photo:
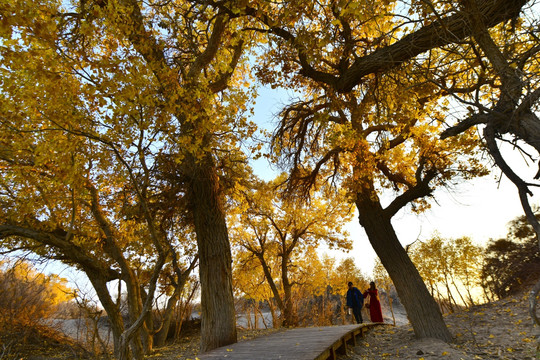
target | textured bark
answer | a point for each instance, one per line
(218, 327)
(218, 321)
(446, 31)
(513, 114)
(422, 310)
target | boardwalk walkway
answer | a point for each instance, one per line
(313, 343)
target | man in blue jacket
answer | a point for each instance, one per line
(355, 301)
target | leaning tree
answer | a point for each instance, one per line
(375, 108)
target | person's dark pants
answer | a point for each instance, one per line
(357, 311)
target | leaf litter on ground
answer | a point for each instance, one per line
(497, 330)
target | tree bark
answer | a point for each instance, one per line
(218, 321)
(288, 312)
(182, 278)
(422, 310)
(271, 282)
(113, 311)
(446, 30)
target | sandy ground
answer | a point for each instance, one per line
(77, 329)
(501, 330)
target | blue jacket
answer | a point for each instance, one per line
(354, 298)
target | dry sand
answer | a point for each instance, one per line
(500, 330)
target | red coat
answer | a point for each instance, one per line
(375, 312)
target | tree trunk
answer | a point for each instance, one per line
(113, 312)
(469, 295)
(218, 322)
(147, 333)
(161, 336)
(422, 310)
(288, 312)
(459, 292)
(451, 300)
(134, 302)
(275, 317)
(391, 308)
(271, 282)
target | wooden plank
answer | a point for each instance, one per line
(313, 343)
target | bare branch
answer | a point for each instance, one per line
(464, 125)
(419, 190)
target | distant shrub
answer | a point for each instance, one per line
(512, 262)
(28, 296)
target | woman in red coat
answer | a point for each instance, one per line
(375, 312)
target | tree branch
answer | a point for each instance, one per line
(222, 83)
(57, 240)
(419, 190)
(445, 31)
(464, 125)
(206, 57)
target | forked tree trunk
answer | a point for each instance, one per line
(218, 322)
(113, 311)
(161, 336)
(422, 310)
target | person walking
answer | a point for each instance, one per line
(355, 301)
(375, 312)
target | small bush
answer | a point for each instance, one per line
(513, 262)
(27, 297)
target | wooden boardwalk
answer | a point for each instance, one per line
(313, 343)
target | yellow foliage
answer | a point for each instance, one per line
(27, 297)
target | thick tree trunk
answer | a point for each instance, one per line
(218, 322)
(134, 310)
(422, 310)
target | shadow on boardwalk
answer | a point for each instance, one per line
(312, 343)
